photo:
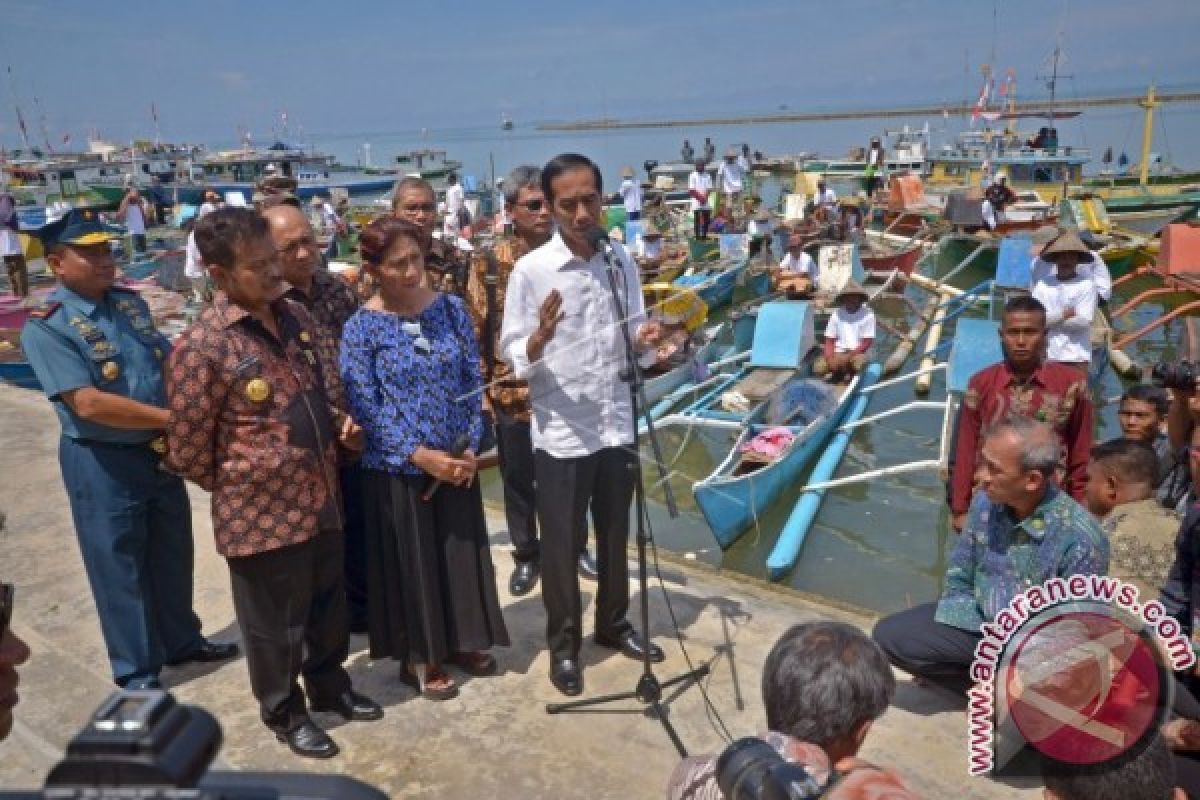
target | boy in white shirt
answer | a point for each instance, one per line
(699, 188)
(797, 272)
(848, 336)
(1070, 301)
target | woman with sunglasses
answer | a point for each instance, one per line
(411, 369)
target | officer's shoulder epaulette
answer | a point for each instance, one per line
(44, 311)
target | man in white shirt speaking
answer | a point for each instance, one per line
(1070, 301)
(562, 334)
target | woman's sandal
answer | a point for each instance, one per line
(479, 664)
(436, 683)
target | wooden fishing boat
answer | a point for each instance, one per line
(741, 487)
(882, 258)
(715, 282)
(750, 400)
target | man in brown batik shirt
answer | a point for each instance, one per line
(331, 302)
(414, 201)
(251, 422)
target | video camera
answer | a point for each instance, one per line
(750, 769)
(141, 743)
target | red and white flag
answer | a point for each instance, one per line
(985, 94)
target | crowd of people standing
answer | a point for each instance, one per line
(339, 431)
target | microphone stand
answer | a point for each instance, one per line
(649, 687)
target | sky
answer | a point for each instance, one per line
(366, 66)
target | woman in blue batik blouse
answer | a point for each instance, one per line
(411, 368)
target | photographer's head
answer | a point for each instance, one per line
(1148, 776)
(825, 683)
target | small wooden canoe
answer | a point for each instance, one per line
(880, 259)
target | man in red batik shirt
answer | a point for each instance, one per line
(1023, 384)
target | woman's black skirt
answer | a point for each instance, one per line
(431, 589)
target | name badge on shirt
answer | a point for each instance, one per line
(419, 342)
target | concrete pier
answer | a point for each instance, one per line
(494, 740)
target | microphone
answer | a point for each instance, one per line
(597, 237)
(457, 449)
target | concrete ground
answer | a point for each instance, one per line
(493, 741)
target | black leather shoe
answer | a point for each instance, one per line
(524, 578)
(631, 645)
(309, 741)
(352, 706)
(207, 653)
(587, 566)
(566, 677)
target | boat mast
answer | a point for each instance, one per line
(1149, 104)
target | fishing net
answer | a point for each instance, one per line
(800, 401)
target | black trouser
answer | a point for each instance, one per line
(515, 448)
(633, 216)
(139, 242)
(917, 644)
(356, 545)
(565, 489)
(701, 218)
(291, 607)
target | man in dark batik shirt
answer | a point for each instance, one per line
(251, 422)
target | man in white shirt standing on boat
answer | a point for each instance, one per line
(826, 201)
(456, 203)
(134, 211)
(731, 180)
(1070, 301)
(631, 195)
(562, 334)
(699, 189)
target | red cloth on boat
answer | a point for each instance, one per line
(1054, 394)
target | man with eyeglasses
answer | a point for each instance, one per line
(13, 653)
(414, 201)
(506, 396)
(330, 302)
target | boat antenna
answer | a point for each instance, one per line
(17, 105)
(157, 131)
(37, 106)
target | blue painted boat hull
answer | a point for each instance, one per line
(715, 290)
(786, 552)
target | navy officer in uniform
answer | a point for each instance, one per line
(99, 359)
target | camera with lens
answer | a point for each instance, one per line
(1175, 375)
(750, 769)
(141, 743)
